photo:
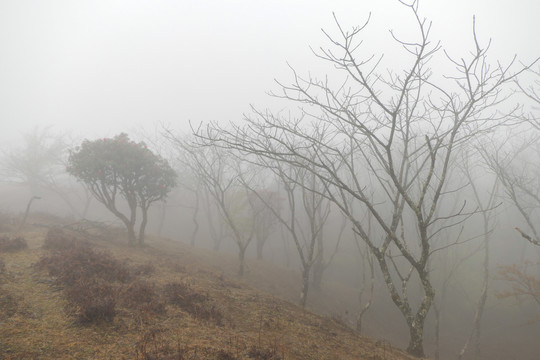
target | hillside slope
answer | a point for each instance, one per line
(194, 311)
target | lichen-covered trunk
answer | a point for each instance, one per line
(415, 321)
(416, 326)
(416, 341)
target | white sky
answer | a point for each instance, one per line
(101, 67)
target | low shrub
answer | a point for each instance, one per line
(225, 355)
(152, 345)
(2, 267)
(142, 295)
(57, 239)
(71, 265)
(8, 304)
(88, 278)
(8, 244)
(91, 300)
(144, 269)
(182, 295)
(258, 353)
(192, 302)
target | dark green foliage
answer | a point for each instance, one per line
(8, 244)
(122, 164)
(119, 167)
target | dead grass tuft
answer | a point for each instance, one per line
(259, 353)
(2, 268)
(144, 269)
(57, 239)
(81, 262)
(193, 302)
(8, 304)
(8, 244)
(142, 295)
(91, 300)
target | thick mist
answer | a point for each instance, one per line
(384, 179)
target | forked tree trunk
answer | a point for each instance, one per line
(142, 228)
(416, 321)
(241, 259)
(305, 285)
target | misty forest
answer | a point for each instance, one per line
(386, 207)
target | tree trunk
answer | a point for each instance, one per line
(319, 266)
(131, 233)
(318, 272)
(305, 285)
(241, 257)
(162, 216)
(260, 246)
(196, 223)
(416, 342)
(23, 221)
(142, 228)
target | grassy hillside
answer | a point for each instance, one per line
(84, 294)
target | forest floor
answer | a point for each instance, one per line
(165, 300)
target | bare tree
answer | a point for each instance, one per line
(220, 173)
(518, 171)
(386, 139)
(265, 221)
(300, 203)
(322, 262)
(532, 92)
(523, 283)
(367, 287)
(40, 164)
(486, 207)
(516, 163)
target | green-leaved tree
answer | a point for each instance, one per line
(115, 168)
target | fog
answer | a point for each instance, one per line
(98, 68)
(157, 70)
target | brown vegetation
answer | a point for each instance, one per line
(12, 244)
(159, 304)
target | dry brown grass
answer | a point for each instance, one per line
(250, 325)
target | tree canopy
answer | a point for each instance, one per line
(118, 167)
